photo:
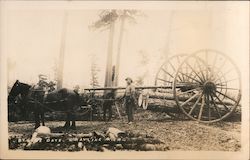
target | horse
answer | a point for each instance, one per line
(59, 100)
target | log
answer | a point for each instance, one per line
(168, 96)
(57, 135)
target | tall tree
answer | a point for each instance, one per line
(62, 51)
(108, 18)
(124, 15)
(108, 75)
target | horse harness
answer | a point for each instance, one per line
(42, 104)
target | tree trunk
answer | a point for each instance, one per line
(108, 77)
(62, 52)
(117, 69)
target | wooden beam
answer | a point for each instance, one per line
(121, 88)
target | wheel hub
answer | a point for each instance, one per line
(209, 87)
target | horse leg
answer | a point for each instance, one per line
(42, 118)
(73, 126)
(67, 123)
(37, 120)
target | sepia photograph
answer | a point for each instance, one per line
(125, 78)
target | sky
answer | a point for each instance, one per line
(32, 40)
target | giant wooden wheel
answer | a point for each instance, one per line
(207, 86)
(165, 77)
(166, 73)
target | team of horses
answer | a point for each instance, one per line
(64, 99)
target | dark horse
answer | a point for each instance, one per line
(59, 100)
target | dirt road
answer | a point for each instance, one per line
(176, 134)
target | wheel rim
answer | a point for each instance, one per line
(165, 77)
(211, 90)
(166, 72)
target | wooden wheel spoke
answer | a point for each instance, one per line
(203, 76)
(206, 62)
(221, 102)
(201, 108)
(195, 104)
(222, 64)
(193, 70)
(187, 72)
(221, 84)
(180, 79)
(208, 106)
(215, 106)
(190, 77)
(228, 81)
(167, 72)
(226, 96)
(172, 66)
(215, 60)
(230, 70)
(223, 74)
(188, 100)
(228, 88)
(179, 61)
(188, 91)
(164, 80)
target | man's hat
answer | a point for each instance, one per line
(129, 79)
(42, 77)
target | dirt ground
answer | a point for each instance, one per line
(181, 135)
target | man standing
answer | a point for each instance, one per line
(130, 100)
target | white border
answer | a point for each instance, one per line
(59, 5)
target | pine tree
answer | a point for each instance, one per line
(107, 20)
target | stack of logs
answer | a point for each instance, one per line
(112, 140)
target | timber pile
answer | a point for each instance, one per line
(113, 139)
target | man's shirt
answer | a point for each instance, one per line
(130, 90)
